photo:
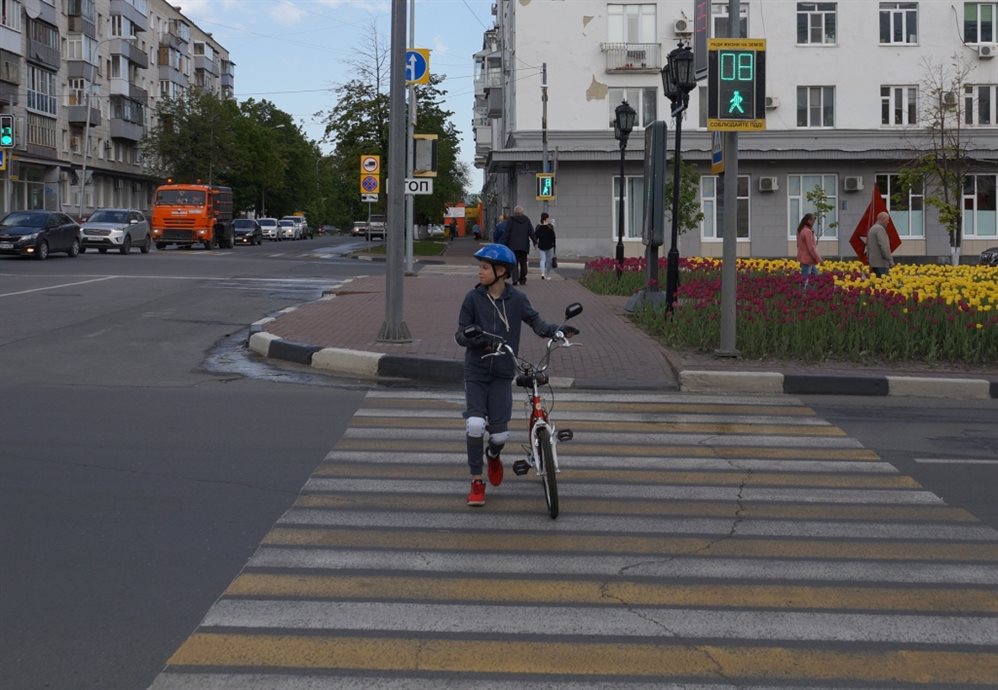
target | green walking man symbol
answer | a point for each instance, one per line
(735, 104)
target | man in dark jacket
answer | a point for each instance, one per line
(519, 236)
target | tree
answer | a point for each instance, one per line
(822, 207)
(690, 210)
(941, 159)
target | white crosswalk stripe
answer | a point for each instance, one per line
(704, 542)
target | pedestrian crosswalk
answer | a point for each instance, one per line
(704, 542)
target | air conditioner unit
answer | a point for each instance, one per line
(768, 184)
(949, 99)
(987, 50)
(772, 102)
(853, 184)
(682, 26)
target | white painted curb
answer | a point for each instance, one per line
(926, 387)
(260, 342)
(350, 362)
(731, 381)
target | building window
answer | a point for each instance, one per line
(979, 22)
(907, 209)
(643, 100)
(898, 105)
(815, 106)
(979, 206)
(633, 207)
(979, 105)
(41, 131)
(709, 199)
(719, 18)
(816, 23)
(44, 34)
(10, 14)
(798, 187)
(626, 24)
(899, 23)
(41, 91)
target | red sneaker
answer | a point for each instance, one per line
(495, 470)
(476, 497)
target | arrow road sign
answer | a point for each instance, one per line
(417, 66)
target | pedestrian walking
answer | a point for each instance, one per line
(546, 244)
(807, 248)
(500, 231)
(518, 237)
(878, 246)
(498, 308)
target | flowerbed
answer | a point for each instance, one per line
(929, 313)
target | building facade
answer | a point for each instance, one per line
(82, 79)
(849, 92)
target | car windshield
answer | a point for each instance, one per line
(25, 218)
(242, 223)
(108, 217)
(179, 197)
(267, 221)
(286, 224)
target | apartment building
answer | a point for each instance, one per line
(82, 79)
(847, 101)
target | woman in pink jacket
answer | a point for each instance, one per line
(807, 248)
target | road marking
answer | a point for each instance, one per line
(56, 287)
(955, 461)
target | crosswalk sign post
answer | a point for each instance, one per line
(545, 186)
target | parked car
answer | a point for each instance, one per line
(288, 229)
(247, 231)
(38, 233)
(116, 228)
(435, 230)
(268, 226)
(989, 257)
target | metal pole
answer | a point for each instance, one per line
(544, 124)
(394, 330)
(672, 263)
(86, 140)
(410, 199)
(729, 247)
(620, 212)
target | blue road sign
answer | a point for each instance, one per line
(417, 66)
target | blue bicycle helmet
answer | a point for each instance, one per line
(497, 254)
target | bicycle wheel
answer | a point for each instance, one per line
(547, 471)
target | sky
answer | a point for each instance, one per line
(295, 52)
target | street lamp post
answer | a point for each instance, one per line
(678, 79)
(623, 123)
(86, 128)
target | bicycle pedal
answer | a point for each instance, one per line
(520, 468)
(565, 435)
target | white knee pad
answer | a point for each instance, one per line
(475, 426)
(499, 438)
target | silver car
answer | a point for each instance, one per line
(116, 228)
(269, 228)
(288, 230)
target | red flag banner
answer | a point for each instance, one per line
(858, 239)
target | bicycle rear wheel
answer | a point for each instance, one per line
(547, 470)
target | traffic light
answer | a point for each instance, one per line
(545, 186)
(6, 131)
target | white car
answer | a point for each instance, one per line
(269, 228)
(119, 229)
(300, 223)
(288, 230)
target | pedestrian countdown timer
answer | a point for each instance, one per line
(736, 84)
(545, 186)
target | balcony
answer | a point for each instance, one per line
(632, 57)
(123, 87)
(124, 129)
(203, 62)
(77, 115)
(129, 50)
(136, 13)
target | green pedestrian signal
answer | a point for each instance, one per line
(545, 186)
(735, 104)
(6, 131)
(736, 84)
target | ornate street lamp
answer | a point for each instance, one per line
(678, 79)
(623, 123)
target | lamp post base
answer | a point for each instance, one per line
(644, 298)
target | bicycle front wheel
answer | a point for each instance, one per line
(546, 468)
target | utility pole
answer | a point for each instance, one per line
(410, 199)
(729, 247)
(394, 330)
(544, 126)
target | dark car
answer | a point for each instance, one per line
(39, 233)
(247, 231)
(989, 257)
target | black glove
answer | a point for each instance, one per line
(569, 331)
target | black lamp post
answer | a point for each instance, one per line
(678, 79)
(623, 123)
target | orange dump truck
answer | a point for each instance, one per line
(186, 214)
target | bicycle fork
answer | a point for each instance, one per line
(539, 420)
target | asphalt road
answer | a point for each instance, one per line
(140, 465)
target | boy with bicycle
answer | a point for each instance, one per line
(499, 309)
